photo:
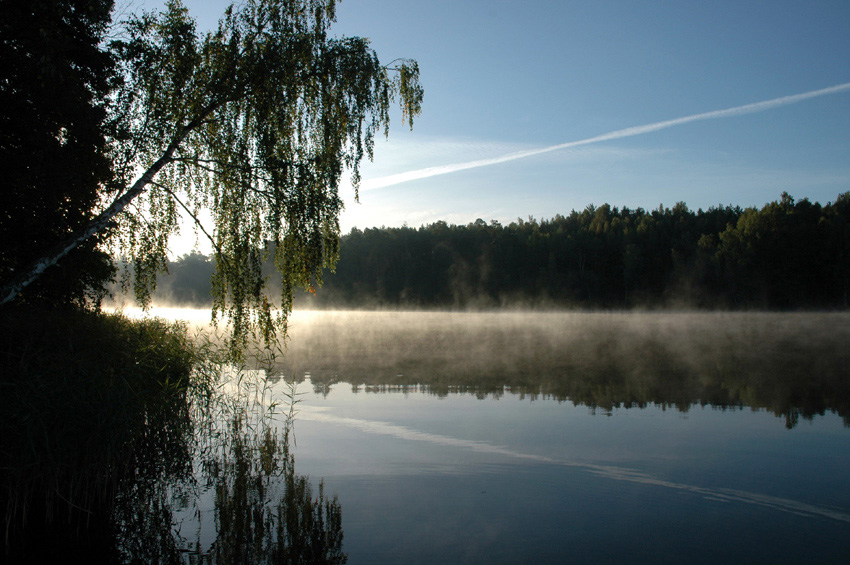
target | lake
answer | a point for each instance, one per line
(410, 437)
(512, 437)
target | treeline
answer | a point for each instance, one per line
(786, 255)
(795, 365)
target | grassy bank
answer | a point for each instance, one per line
(85, 397)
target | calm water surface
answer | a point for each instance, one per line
(505, 438)
(552, 438)
(424, 478)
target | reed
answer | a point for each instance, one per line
(85, 395)
(111, 425)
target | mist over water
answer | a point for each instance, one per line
(647, 433)
(791, 364)
(704, 436)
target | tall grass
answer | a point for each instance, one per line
(110, 425)
(84, 395)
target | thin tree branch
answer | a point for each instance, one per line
(218, 251)
(34, 270)
(200, 163)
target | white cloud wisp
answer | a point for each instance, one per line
(762, 106)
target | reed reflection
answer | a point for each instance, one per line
(103, 469)
(264, 512)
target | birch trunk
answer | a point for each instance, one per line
(10, 290)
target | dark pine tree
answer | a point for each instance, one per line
(54, 77)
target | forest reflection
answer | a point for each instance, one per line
(795, 365)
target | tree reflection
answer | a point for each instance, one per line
(213, 450)
(796, 366)
(264, 512)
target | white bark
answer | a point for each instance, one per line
(34, 270)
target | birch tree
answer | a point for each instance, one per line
(256, 122)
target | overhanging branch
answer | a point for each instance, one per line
(33, 271)
(219, 253)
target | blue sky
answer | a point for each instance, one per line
(502, 77)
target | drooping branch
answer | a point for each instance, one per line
(219, 253)
(203, 164)
(281, 110)
(10, 290)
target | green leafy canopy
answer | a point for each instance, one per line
(255, 122)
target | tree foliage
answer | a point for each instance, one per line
(256, 122)
(53, 151)
(786, 255)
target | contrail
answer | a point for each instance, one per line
(390, 180)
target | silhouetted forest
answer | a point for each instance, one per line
(787, 255)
